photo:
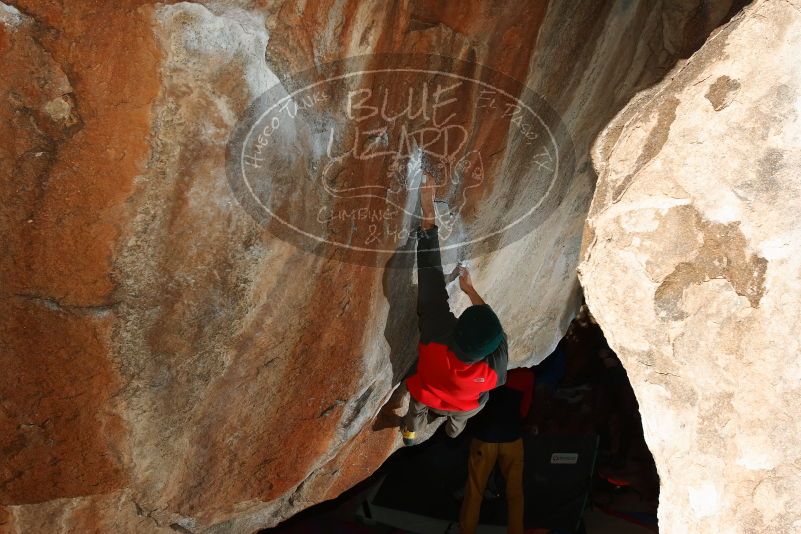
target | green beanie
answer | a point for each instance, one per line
(478, 331)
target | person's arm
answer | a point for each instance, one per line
(522, 379)
(427, 191)
(434, 313)
(499, 361)
(466, 283)
(533, 419)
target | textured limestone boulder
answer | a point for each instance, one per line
(171, 364)
(692, 268)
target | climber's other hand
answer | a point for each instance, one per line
(465, 282)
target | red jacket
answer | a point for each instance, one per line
(446, 378)
(445, 382)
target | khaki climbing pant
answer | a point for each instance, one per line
(483, 457)
(419, 414)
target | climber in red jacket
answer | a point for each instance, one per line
(460, 360)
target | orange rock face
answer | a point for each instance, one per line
(66, 168)
(171, 363)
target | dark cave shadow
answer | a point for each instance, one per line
(401, 327)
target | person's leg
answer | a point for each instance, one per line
(432, 415)
(457, 421)
(455, 424)
(479, 466)
(414, 420)
(510, 459)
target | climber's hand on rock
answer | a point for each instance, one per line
(427, 191)
(465, 282)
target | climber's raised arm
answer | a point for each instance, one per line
(466, 283)
(435, 317)
(427, 191)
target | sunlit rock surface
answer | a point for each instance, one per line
(168, 363)
(692, 269)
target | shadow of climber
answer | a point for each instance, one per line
(401, 294)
